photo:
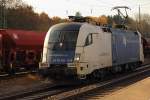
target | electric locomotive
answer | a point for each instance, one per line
(83, 49)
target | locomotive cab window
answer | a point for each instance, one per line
(89, 40)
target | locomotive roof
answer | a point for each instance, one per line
(67, 26)
(24, 38)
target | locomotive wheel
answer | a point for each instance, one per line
(7, 70)
(96, 75)
(99, 74)
(116, 69)
(133, 66)
(127, 67)
(10, 69)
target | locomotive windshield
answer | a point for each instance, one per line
(64, 40)
(64, 37)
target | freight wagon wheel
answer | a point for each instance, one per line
(29, 68)
(11, 69)
(7, 69)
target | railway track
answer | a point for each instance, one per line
(45, 88)
(80, 91)
(63, 91)
(37, 92)
(5, 75)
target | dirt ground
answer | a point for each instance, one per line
(19, 83)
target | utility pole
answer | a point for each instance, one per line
(91, 11)
(66, 12)
(139, 14)
(139, 19)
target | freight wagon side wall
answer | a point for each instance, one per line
(20, 47)
(1, 37)
(125, 47)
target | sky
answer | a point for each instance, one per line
(64, 8)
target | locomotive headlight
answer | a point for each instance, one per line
(77, 57)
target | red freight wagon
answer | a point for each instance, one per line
(147, 47)
(20, 48)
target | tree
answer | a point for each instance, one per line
(22, 18)
(44, 22)
(78, 14)
(19, 15)
(12, 3)
(6, 5)
(144, 24)
(56, 20)
(110, 20)
(102, 20)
